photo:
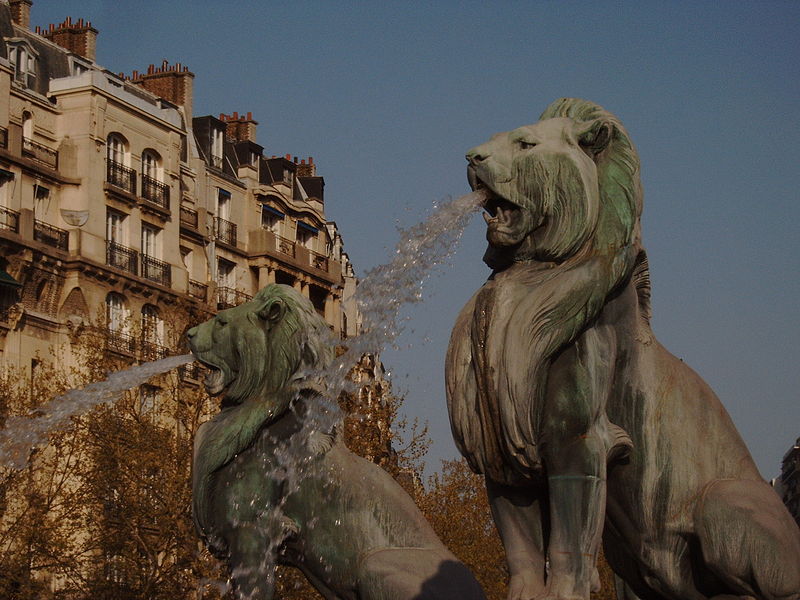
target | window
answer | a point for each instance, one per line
(117, 149)
(27, 125)
(306, 234)
(271, 218)
(151, 165)
(217, 140)
(226, 271)
(288, 176)
(115, 228)
(6, 184)
(41, 201)
(23, 62)
(151, 241)
(116, 313)
(148, 395)
(152, 325)
(187, 258)
(224, 204)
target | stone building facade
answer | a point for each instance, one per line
(119, 206)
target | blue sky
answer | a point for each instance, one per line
(387, 98)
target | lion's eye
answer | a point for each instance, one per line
(526, 145)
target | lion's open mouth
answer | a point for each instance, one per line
(214, 379)
(499, 211)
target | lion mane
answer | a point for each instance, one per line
(261, 356)
(577, 193)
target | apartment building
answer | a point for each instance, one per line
(118, 205)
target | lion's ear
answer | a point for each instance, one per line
(272, 312)
(594, 136)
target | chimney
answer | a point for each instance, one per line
(307, 169)
(79, 37)
(240, 128)
(21, 12)
(170, 82)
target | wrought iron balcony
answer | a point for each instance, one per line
(197, 290)
(153, 350)
(122, 257)
(9, 219)
(285, 246)
(189, 217)
(120, 341)
(229, 297)
(39, 153)
(156, 270)
(225, 231)
(3, 137)
(155, 191)
(50, 235)
(121, 176)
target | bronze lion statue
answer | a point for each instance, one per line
(273, 483)
(584, 426)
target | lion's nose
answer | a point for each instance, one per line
(475, 156)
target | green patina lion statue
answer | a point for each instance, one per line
(270, 487)
(582, 423)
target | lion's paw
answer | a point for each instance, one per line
(524, 586)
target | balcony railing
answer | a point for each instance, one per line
(9, 219)
(216, 161)
(121, 176)
(50, 235)
(156, 270)
(39, 153)
(155, 191)
(230, 297)
(225, 231)
(153, 351)
(3, 137)
(197, 290)
(285, 246)
(122, 257)
(120, 341)
(189, 217)
(318, 261)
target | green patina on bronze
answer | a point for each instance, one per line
(273, 484)
(584, 425)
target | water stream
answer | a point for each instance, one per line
(381, 295)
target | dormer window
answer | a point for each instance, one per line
(217, 140)
(23, 62)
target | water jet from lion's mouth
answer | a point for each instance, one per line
(21, 434)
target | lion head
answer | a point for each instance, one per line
(569, 179)
(564, 199)
(261, 356)
(257, 348)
